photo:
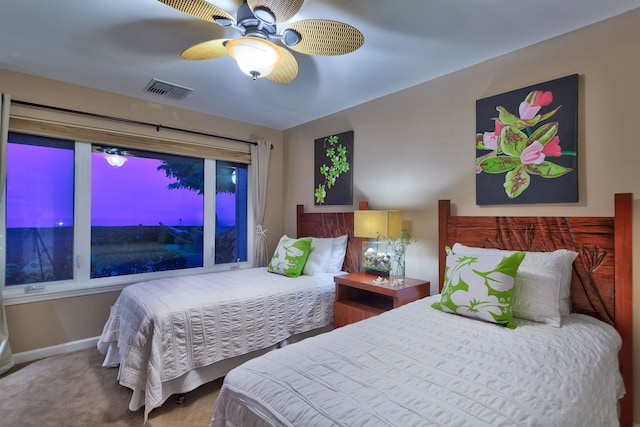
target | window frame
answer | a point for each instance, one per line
(82, 284)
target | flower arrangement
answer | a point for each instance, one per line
(398, 251)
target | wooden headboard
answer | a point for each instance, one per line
(332, 224)
(602, 282)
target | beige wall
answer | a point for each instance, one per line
(417, 146)
(411, 149)
(36, 325)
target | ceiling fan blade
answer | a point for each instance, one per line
(198, 8)
(286, 70)
(283, 10)
(206, 50)
(325, 37)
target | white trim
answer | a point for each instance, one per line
(55, 290)
(54, 350)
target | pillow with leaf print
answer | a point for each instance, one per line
(290, 256)
(542, 287)
(480, 286)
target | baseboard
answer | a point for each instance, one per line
(41, 353)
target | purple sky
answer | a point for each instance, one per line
(29, 190)
(120, 196)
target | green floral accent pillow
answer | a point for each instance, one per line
(290, 256)
(480, 286)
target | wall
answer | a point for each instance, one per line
(54, 322)
(417, 146)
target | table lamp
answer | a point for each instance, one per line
(377, 225)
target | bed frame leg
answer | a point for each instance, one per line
(182, 397)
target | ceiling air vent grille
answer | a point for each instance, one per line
(166, 89)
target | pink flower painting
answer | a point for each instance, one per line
(526, 144)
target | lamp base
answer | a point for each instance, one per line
(376, 272)
(376, 257)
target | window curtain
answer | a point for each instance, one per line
(259, 172)
(6, 357)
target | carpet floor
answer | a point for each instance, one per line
(74, 390)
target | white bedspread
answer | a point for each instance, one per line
(164, 328)
(416, 366)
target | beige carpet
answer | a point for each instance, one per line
(74, 390)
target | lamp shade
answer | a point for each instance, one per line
(384, 224)
(255, 57)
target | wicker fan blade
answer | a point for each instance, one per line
(325, 37)
(282, 9)
(206, 50)
(198, 8)
(286, 70)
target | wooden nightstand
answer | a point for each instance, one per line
(358, 298)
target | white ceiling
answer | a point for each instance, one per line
(120, 45)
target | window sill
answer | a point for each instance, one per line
(53, 290)
(57, 291)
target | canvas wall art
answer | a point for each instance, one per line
(527, 145)
(333, 178)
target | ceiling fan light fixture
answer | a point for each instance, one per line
(115, 160)
(255, 57)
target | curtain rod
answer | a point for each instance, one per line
(135, 122)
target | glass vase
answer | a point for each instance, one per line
(397, 264)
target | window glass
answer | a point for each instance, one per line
(231, 212)
(39, 209)
(146, 212)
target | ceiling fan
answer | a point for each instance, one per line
(256, 51)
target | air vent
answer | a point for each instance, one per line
(166, 89)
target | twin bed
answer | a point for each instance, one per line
(414, 365)
(169, 336)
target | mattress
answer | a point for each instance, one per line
(164, 330)
(417, 366)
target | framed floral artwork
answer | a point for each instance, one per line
(333, 178)
(527, 145)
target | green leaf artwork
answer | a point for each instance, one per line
(334, 165)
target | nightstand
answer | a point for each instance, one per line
(358, 298)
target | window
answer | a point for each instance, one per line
(231, 212)
(39, 210)
(140, 212)
(146, 212)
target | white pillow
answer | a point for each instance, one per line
(543, 283)
(318, 257)
(338, 252)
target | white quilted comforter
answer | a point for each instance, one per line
(416, 366)
(163, 328)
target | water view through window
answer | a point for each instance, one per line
(144, 211)
(39, 212)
